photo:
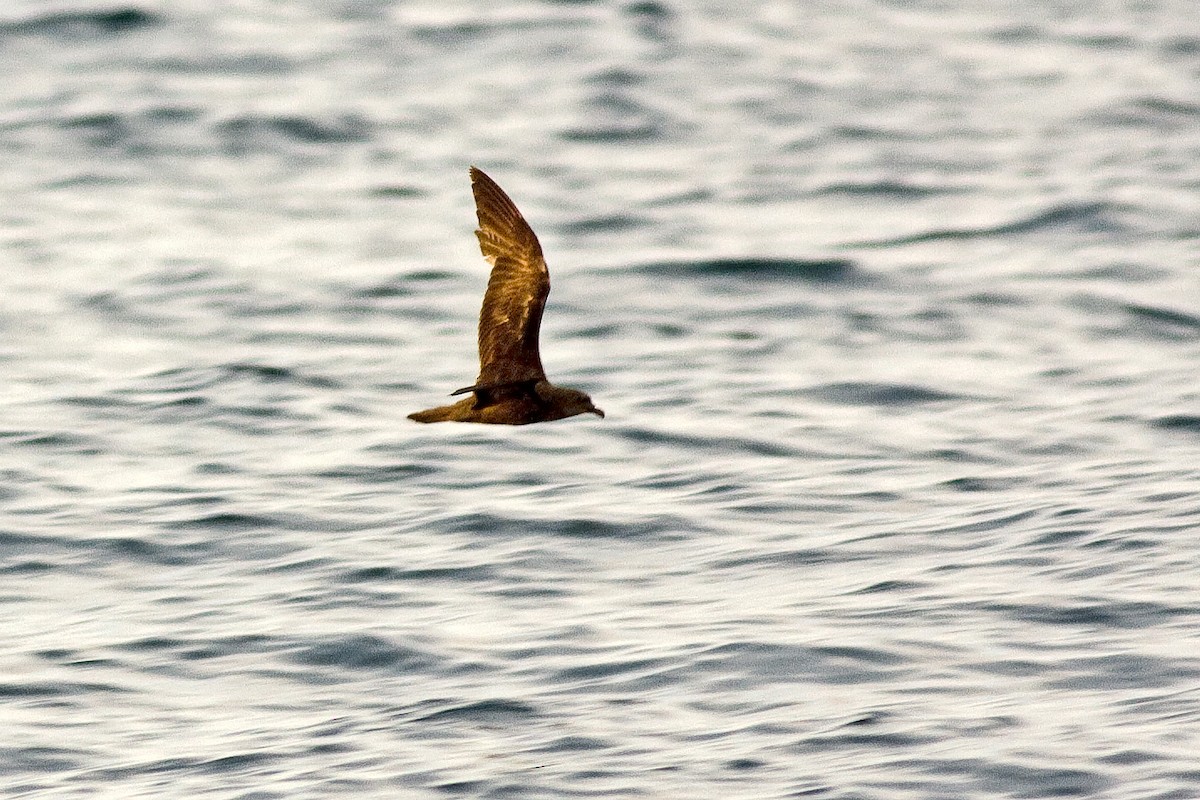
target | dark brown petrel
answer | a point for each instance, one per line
(511, 388)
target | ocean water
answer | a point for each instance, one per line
(894, 309)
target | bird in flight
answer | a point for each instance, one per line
(511, 388)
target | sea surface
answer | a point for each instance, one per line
(893, 307)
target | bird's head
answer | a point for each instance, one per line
(570, 402)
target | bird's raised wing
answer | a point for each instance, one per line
(516, 294)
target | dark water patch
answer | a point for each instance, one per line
(360, 652)
(56, 689)
(269, 373)
(1105, 41)
(85, 180)
(615, 117)
(304, 566)
(457, 575)
(227, 646)
(1156, 111)
(570, 527)
(652, 20)
(256, 133)
(227, 65)
(449, 34)
(36, 759)
(223, 767)
(397, 191)
(174, 292)
(156, 131)
(861, 655)
(764, 663)
(427, 276)
(1182, 44)
(27, 567)
(878, 394)
(381, 474)
(973, 485)
(617, 78)
(1123, 272)
(1062, 537)
(239, 761)
(1124, 672)
(144, 550)
(152, 644)
(476, 788)
(870, 133)
(803, 557)
(1188, 423)
(101, 129)
(1085, 217)
(225, 522)
(994, 522)
(83, 23)
(12, 544)
(993, 299)
(876, 730)
(999, 779)
(884, 587)
(611, 668)
(260, 371)
(584, 528)
(1163, 322)
(1129, 758)
(200, 650)
(484, 712)
(574, 744)
(74, 443)
(627, 132)
(391, 288)
(1099, 613)
(613, 223)
(1010, 668)
(819, 270)
(214, 392)
(723, 444)
(891, 189)
(1020, 33)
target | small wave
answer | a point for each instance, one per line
(1107, 613)
(614, 116)
(359, 652)
(817, 269)
(1164, 320)
(607, 224)
(225, 522)
(58, 441)
(1084, 216)
(83, 23)
(767, 662)
(879, 394)
(996, 778)
(260, 132)
(1153, 111)
(1189, 423)
(894, 189)
(484, 711)
(457, 575)
(614, 133)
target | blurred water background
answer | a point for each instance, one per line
(893, 307)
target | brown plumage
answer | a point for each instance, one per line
(511, 388)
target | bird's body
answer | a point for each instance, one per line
(511, 388)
